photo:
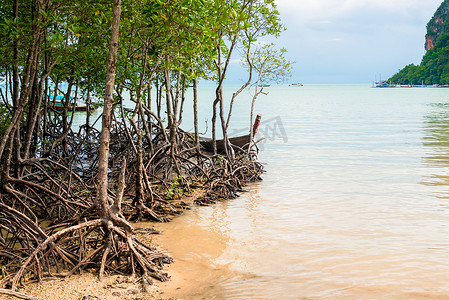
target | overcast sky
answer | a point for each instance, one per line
(353, 41)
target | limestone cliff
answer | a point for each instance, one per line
(434, 66)
(438, 25)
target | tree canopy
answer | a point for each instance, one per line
(55, 54)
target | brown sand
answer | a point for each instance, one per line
(88, 287)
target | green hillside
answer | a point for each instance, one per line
(434, 67)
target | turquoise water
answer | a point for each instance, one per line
(354, 204)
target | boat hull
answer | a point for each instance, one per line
(239, 141)
(71, 108)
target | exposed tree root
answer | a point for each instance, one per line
(17, 294)
(49, 224)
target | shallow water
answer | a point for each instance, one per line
(354, 204)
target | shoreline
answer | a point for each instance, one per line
(87, 286)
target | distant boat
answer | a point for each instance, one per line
(264, 85)
(296, 84)
(59, 106)
(384, 84)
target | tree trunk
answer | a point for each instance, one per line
(88, 110)
(195, 112)
(159, 99)
(65, 115)
(214, 122)
(33, 115)
(102, 190)
(183, 99)
(170, 114)
(15, 70)
(227, 145)
(29, 74)
(150, 123)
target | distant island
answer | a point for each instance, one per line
(434, 67)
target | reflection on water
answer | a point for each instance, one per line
(355, 206)
(436, 142)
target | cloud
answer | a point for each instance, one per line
(302, 13)
(346, 37)
(349, 41)
(310, 9)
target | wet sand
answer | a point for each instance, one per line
(191, 278)
(194, 249)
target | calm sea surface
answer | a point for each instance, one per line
(354, 204)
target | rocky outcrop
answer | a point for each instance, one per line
(438, 25)
(430, 42)
(434, 66)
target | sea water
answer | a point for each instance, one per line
(354, 204)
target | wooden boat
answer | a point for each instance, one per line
(59, 107)
(242, 142)
(239, 141)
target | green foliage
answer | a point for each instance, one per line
(5, 120)
(408, 75)
(434, 67)
(247, 22)
(220, 159)
(193, 38)
(174, 189)
(127, 114)
(438, 24)
(270, 64)
(183, 34)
